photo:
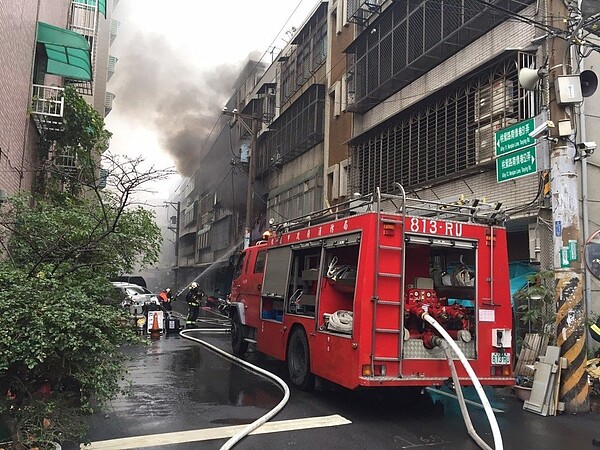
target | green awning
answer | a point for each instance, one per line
(68, 52)
(100, 3)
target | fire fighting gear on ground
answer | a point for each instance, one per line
(194, 299)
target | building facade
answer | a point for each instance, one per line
(370, 93)
(52, 44)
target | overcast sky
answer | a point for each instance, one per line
(177, 61)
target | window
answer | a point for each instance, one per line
(445, 134)
(259, 265)
(239, 266)
(336, 99)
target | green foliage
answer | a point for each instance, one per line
(81, 235)
(82, 126)
(61, 330)
(76, 148)
(59, 349)
(537, 303)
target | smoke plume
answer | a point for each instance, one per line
(156, 85)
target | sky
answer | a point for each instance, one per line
(177, 61)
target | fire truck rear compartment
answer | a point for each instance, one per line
(447, 294)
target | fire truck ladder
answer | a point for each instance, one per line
(388, 306)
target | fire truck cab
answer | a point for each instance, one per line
(341, 294)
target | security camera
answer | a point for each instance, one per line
(235, 110)
(584, 150)
(588, 147)
(541, 129)
(225, 109)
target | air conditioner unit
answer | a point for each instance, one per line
(492, 100)
(350, 98)
(484, 138)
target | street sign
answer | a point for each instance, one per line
(514, 137)
(516, 164)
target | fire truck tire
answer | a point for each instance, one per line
(238, 344)
(298, 361)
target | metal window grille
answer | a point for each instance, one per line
(445, 134)
(48, 100)
(295, 131)
(299, 199)
(410, 38)
(308, 54)
(360, 11)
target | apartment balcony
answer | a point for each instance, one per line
(360, 11)
(187, 251)
(66, 162)
(47, 107)
(108, 102)
(112, 62)
(114, 30)
(83, 17)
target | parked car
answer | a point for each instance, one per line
(134, 294)
(132, 279)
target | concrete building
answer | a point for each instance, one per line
(45, 46)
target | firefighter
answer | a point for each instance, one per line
(165, 298)
(193, 299)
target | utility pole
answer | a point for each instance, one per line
(175, 227)
(250, 193)
(253, 130)
(567, 237)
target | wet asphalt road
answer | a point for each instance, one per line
(178, 385)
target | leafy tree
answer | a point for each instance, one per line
(537, 305)
(61, 329)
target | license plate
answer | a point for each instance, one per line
(500, 358)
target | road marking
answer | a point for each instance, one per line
(207, 434)
(470, 402)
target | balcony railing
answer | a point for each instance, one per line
(114, 29)
(83, 18)
(108, 102)
(47, 107)
(360, 11)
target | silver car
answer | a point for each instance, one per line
(135, 295)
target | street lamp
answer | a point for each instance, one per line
(253, 130)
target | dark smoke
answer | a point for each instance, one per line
(154, 84)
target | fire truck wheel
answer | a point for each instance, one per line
(298, 361)
(238, 344)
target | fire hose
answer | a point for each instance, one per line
(261, 420)
(445, 344)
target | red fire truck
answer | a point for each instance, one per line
(342, 294)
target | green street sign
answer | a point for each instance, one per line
(516, 164)
(514, 137)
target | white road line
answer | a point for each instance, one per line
(153, 440)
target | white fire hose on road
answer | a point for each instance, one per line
(461, 400)
(261, 420)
